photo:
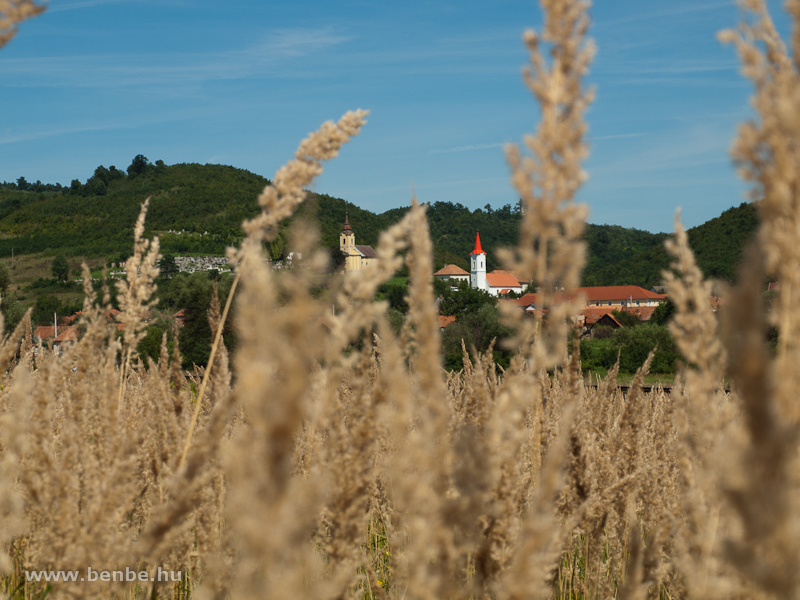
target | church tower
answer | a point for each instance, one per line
(347, 239)
(477, 271)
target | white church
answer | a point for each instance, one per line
(497, 282)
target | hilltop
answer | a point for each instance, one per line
(198, 209)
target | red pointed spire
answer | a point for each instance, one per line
(478, 249)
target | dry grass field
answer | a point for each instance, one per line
(343, 462)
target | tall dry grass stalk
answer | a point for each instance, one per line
(344, 463)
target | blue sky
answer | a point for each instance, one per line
(94, 82)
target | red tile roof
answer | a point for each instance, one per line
(445, 320)
(502, 279)
(592, 314)
(70, 334)
(525, 301)
(451, 270)
(611, 318)
(643, 312)
(600, 294)
(618, 292)
(44, 332)
(595, 313)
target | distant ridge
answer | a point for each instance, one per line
(206, 204)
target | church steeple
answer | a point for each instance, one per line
(478, 249)
(346, 229)
(347, 239)
(477, 263)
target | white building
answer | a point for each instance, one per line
(498, 282)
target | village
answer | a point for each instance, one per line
(600, 307)
(598, 304)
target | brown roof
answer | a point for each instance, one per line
(618, 292)
(595, 313)
(45, 332)
(502, 279)
(525, 300)
(367, 251)
(70, 334)
(451, 270)
(608, 317)
(643, 312)
(445, 320)
(599, 294)
(592, 314)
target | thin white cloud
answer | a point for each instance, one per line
(83, 4)
(273, 55)
(295, 42)
(617, 136)
(467, 148)
(663, 14)
(431, 185)
(12, 138)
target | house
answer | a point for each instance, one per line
(68, 336)
(621, 295)
(601, 300)
(357, 256)
(452, 273)
(494, 282)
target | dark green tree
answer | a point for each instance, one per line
(95, 187)
(464, 300)
(168, 266)
(13, 310)
(150, 346)
(277, 246)
(139, 166)
(5, 277)
(478, 328)
(396, 294)
(193, 293)
(45, 308)
(663, 313)
(102, 174)
(60, 268)
(626, 319)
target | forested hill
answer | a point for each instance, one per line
(205, 205)
(619, 256)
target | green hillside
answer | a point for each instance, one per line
(199, 209)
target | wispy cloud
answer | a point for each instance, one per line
(28, 135)
(669, 13)
(617, 136)
(83, 4)
(294, 42)
(275, 54)
(432, 185)
(467, 148)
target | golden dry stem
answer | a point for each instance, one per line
(332, 458)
